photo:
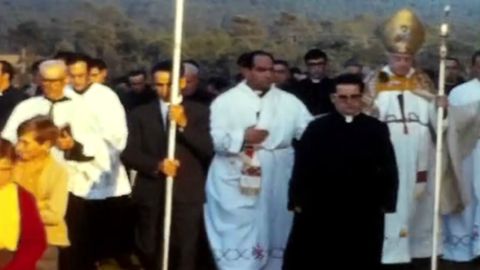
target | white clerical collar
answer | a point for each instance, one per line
(349, 118)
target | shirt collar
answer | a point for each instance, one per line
(64, 98)
(84, 91)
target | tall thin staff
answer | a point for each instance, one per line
(175, 99)
(439, 144)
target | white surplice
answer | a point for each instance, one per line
(111, 120)
(76, 114)
(462, 230)
(250, 232)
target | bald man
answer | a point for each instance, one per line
(193, 91)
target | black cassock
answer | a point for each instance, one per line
(344, 180)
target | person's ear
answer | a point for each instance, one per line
(183, 82)
(332, 97)
(46, 146)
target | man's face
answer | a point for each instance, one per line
(27, 147)
(192, 84)
(260, 76)
(476, 68)
(54, 80)
(79, 76)
(316, 68)
(347, 99)
(452, 69)
(137, 83)
(163, 85)
(400, 63)
(281, 74)
(4, 77)
(98, 75)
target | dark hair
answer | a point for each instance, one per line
(35, 68)
(349, 79)
(44, 128)
(166, 66)
(78, 57)
(352, 62)
(218, 82)
(137, 72)
(475, 56)
(242, 60)
(250, 58)
(314, 54)
(63, 55)
(7, 68)
(7, 150)
(294, 70)
(281, 62)
(97, 63)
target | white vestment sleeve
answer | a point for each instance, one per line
(113, 122)
(303, 119)
(225, 138)
(87, 132)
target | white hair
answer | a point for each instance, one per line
(52, 64)
(190, 69)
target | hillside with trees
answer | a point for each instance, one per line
(135, 33)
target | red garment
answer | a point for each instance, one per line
(33, 241)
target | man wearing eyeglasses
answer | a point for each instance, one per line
(79, 148)
(349, 154)
(314, 91)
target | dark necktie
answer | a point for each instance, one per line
(52, 105)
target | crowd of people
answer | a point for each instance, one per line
(276, 169)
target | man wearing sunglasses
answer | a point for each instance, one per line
(349, 154)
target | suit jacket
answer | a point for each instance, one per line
(8, 100)
(147, 146)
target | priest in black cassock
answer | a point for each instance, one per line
(344, 181)
(314, 91)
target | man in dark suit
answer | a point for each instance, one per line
(146, 153)
(9, 96)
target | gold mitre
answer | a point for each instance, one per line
(403, 33)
